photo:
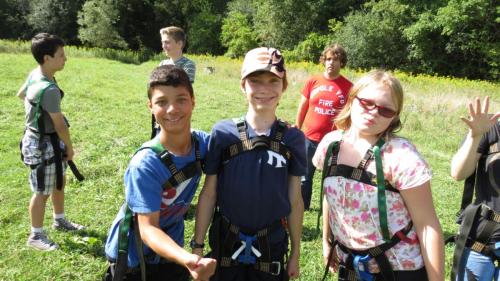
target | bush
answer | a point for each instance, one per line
(465, 40)
(97, 21)
(57, 17)
(202, 34)
(373, 36)
(310, 49)
(237, 34)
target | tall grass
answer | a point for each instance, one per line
(106, 104)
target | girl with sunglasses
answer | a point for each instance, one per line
(379, 221)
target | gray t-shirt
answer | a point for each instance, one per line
(50, 102)
(184, 63)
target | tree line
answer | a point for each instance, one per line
(446, 37)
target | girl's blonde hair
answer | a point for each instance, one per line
(381, 78)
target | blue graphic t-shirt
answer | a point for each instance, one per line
(144, 194)
(252, 187)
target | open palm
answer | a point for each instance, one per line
(480, 121)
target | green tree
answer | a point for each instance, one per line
(56, 17)
(284, 23)
(204, 32)
(97, 22)
(237, 34)
(373, 36)
(465, 40)
(12, 15)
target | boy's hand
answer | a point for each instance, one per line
(292, 267)
(69, 154)
(479, 120)
(201, 268)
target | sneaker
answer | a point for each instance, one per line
(40, 241)
(66, 225)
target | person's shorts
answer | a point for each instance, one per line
(37, 157)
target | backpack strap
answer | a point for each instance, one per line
(329, 167)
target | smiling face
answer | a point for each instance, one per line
(367, 120)
(263, 90)
(172, 108)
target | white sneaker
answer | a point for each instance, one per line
(40, 241)
(66, 225)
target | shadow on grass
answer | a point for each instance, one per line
(449, 238)
(190, 214)
(310, 234)
(85, 242)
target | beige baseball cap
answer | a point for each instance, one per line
(263, 59)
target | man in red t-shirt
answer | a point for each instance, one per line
(323, 96)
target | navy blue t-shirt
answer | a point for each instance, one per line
(252, 187)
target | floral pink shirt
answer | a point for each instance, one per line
(353, 207)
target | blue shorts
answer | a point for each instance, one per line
(480, 266)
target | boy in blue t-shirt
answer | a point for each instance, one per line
(254, 186)
(158, 208)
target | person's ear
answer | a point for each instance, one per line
(46, 58)
(242, 86)
(150, 106)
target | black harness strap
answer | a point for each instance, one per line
(54, 141)
(58, 153)
(262, 263)
(130, 219)
(358, 173)
(377, 253)
(480, 244)
(469, 216)
(245, 144)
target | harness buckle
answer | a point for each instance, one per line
(345, 274)
(277, 265)
(246, 245)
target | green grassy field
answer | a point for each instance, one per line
(106, 104)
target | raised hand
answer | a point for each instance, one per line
(480, 121)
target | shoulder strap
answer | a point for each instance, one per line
(382, 204)
(177, 176)
(41, 85)
(246, 144)
(330, 159)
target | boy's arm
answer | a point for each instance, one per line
(63, 132)
(163, 245)
(21, 93)
(205, 210)
(479, 122)
(464, 162)
(295, 225)
(301, 111)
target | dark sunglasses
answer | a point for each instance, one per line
(369, 105)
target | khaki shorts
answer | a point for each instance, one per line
(38, 157)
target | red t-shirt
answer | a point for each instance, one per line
(326, 99)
